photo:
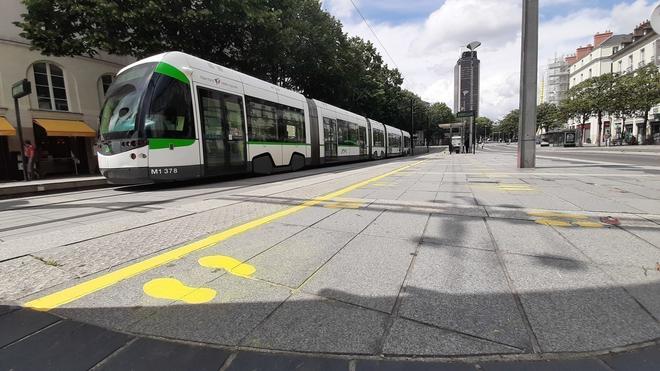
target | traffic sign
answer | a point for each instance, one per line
(465, 114)
(21, 89)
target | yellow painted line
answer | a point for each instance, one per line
(83, 289)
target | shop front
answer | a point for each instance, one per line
(63, 147)
(7, 163)
(655, 132)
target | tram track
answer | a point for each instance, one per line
(66, 241)
(183, 186)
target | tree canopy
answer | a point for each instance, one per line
(548, 117)
(292, 43)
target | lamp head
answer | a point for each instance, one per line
(473, 45)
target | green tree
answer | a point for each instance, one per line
(508, 126)
(601, 98)
(439, 113)
(484, 126)
(576, 106)
(292, 43)
(644, 90)
(547, 117)
(624, 98)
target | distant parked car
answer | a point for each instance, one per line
(545, 143)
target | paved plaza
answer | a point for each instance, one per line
(434, 256)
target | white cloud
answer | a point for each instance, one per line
(426, 50)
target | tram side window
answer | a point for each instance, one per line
(342, 132)
(352, 134)
(379, 138)
(262, 121)
(293, 125)
(234, 117)
(394, 142)
(170, 110)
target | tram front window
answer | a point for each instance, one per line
(170, 109)
(120, 112)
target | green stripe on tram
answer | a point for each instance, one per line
(171, 71)
(160, 143)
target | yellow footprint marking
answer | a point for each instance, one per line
(558, 219)
(588, 224)
(173, 289)
(344, 205)
(553, 222)
(515, 187)
(231, 265)
(554, 214)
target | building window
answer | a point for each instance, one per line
(642, 57)
(620, 67)
(106, 80)
(615, 49)
(630, 61)
(51, 90)
(590, 73)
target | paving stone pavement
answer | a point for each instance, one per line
(446, 256)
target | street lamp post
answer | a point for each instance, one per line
(473, 135)
(412, 127)
(463, 133)
(19, 90)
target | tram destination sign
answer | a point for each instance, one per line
(21, 89)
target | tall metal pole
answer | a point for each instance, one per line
(412, 127)
(20, 138)
(474, 112)
(528, 76)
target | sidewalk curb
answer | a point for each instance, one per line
(27, 331)
(30, 188)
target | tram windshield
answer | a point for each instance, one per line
(119, 116)
(146, 104)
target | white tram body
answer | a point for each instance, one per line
(173, 116)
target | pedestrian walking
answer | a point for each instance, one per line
(28, 152)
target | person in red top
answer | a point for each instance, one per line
(28, 151)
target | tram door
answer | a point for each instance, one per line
(330, 135)
(362, 140)
(223, 132)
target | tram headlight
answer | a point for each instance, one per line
(133, 156)
(143, 155)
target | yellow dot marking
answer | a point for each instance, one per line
(588, 224)
(173, 289)
(85, 288)
(231, 265)
(553, 222)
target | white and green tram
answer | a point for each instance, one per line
(175, 117)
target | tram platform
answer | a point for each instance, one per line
(24, 188)
(433, 262)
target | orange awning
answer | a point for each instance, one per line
(65, 128)
(6, 129)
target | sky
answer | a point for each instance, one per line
(425, 37)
